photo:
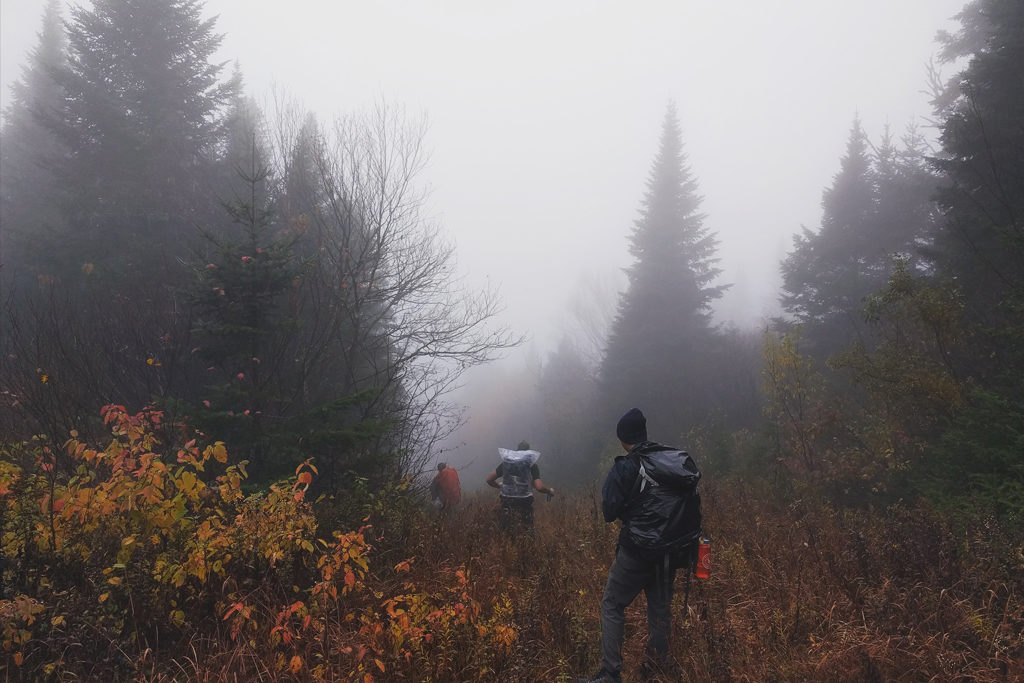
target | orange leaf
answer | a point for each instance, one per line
(305, 477)
(296, 664)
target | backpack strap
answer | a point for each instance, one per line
(645, 478)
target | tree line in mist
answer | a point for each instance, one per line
(269, 279)
(897, 367)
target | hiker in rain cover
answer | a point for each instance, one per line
(519, 473)
(445, 490)
(653, 490)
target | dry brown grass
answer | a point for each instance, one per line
(799, 592)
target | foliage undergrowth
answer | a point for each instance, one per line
(147, 565)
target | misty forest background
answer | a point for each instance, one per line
(231, 335)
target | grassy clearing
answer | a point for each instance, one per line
(799, 591)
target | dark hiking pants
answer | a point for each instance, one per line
(517, 514)
(627, 577)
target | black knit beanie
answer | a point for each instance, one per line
(632, 427)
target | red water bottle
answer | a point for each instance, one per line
(703, 558)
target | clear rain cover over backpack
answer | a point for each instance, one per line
(515, 477)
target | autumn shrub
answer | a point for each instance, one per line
(139, 555)
(137, 548)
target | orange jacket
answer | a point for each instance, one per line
(449, 490)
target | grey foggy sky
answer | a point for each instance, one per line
(544, 117)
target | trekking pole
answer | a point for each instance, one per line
(689, 575)
(686, 591)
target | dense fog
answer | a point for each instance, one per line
(543, 119)
(530, 136)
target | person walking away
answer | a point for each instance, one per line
(445, 489)
(652, 490)
(519, 473)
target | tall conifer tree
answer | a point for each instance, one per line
(143, 120)
(981, 243)
(140, 120)
(821, 276)
(29, 150)
(980, 248)
(662, 339)
(878, 206)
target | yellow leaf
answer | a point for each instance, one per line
(296, 664)
(178, 579)
(188, 482)
(220, 453)
(103, 598)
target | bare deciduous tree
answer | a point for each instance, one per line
(384, 311)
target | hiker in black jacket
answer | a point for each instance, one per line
(652, 489)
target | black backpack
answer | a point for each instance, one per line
(663, 517)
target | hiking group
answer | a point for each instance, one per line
(652, 490)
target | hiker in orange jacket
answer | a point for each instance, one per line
(445, 489)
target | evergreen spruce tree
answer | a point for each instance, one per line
(140, 123)
(243, 145)
(981, 241)
(29, 151)
(980, 249)
(662, 338)
(905, 208)
(143, 114)
(245, 331)
(565, 393)
(821, 277)
(878, 207)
